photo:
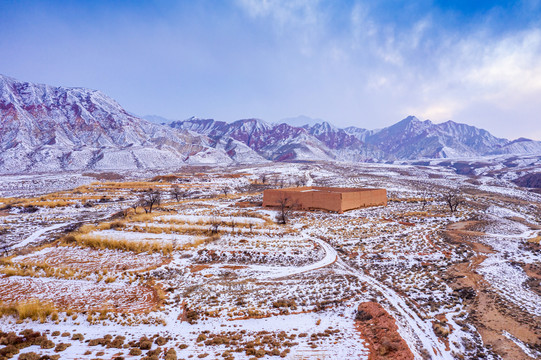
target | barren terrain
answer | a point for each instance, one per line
(209, 273)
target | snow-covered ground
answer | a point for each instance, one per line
(237, 274)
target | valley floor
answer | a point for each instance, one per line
(211, 274)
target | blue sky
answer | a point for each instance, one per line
(361, 63)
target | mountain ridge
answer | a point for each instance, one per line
(52, 128)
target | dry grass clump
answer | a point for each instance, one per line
(44, 201)
(112, 225)
(49, 203)
(134, 185)
(145, 217)
(15, 342)
(41, 269)
(31, 309)
(199, 241)
(535, 240)
(100, 242)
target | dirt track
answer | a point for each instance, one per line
(490, 313)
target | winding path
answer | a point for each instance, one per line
(40, 232)
(417, 326)
(422, 330)
(330, 257)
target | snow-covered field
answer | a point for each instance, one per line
(213, 275)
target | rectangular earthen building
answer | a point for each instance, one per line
(326, 198)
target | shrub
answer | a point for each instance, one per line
(9, 351)
(145, 345)
(78, 336)
(171, 354)
(61, 347)
(29, 356)
(117, 342)
(160, 341)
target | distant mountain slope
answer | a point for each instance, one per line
(519, 147)
(409, 139)
(46, 128)
(414, 139)
(156, 119)
(300, 121)
(273, 142)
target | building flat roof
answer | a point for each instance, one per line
(325, 189)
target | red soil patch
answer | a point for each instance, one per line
(234, 267)
(245, 204)
(79, 295)
(197, 268)
(90, 260)
(490, 314)
(380, 332)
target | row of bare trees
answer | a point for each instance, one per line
(282, 182)
(452, 198)
(152, 197)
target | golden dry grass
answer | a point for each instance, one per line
(100, 242)
(31, 309)
(45, 201)
(114, 185)
(41, 269)
(49, 203)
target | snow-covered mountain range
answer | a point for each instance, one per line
(47, 128)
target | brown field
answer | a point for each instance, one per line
(90, 260)
(79, 295)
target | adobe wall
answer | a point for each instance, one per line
(364, 198)
(304, 199)
(335, 199)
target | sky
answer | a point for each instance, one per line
(353, 63)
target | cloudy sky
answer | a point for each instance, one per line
(361, 63)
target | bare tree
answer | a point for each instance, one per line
(453, 199)
(264, 178)
(214, 225)
(225, 190)
(135, 205)
(285, 206)
(149, 199)
(426, 197)
(177, 193)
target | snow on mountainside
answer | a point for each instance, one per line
(47, 128)
(156, 119)
(406, 140)
(415, 139)
(519, 146)
(278, 142)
